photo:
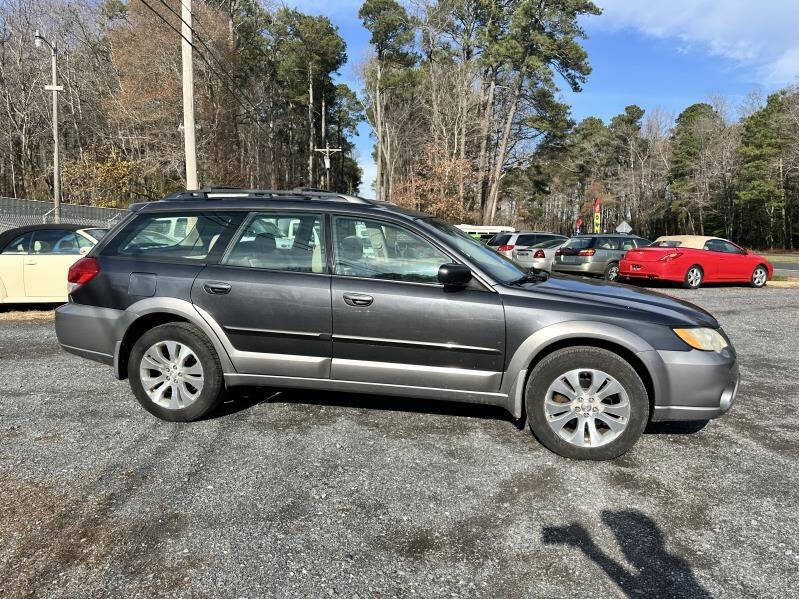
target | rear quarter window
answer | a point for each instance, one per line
(579, 243)
(177, 236)
(500, 239)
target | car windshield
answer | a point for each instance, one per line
(98, 234)
(499, 239)
(499, 267)
(549, 243)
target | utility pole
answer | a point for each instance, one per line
(327, 150)
(55, 88)
(188, 96)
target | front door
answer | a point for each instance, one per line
(271, 296)
(51, 254)
(394, 324)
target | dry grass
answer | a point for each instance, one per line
(784, 283)
(791, 258)
(26, 314)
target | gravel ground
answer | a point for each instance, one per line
(322, 494)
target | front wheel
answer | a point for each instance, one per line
(612, 271)
(693, 277)
(175, 373)
(759, 276)
(586, 403)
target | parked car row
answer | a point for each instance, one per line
(688, 259)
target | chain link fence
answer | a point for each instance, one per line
(15, 212)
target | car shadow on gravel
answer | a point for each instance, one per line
(655, 572)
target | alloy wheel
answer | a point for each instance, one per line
(759, 276)
(694, 277)
(613, 273)
(171, 374)
(587, 407)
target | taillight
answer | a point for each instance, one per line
(590, 252)
(671, 256)
(539, 254)
(505, 248)
(83, 271)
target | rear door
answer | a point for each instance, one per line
(270, 294)
(394, 324)
(51, 254)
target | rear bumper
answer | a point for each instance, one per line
(647, 270)
(587, 268)
(539, 263)
(693, 385)
(89, 331)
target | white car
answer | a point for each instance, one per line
(539, 255)
(34, 261)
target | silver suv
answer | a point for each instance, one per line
(595, 254)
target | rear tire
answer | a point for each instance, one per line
(175, 373)
(759, 276)
(693, 277)
(612, 272)
(600, 420)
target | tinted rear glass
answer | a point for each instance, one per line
(181, 236)
(549, 243)
(579, 243)
(500, 239)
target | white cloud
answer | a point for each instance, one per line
(760, 36)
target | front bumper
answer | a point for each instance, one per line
(693, 385)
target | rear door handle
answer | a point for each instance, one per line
(358, 299)
(216, 288)
(30, 261)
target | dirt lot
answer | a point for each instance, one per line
(315, 494)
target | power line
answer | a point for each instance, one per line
(248, 110)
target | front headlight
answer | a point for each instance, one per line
(702, 338)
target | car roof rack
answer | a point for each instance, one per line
(236, 193)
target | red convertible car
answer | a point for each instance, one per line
(693, 260)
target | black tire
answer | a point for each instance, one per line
(690, 282)
(760, 281)
(561, 361)
(213, 379)
(612, 272)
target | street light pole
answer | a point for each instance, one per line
(55, 88)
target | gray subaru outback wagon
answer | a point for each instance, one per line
(207, 290)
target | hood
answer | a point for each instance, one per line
(646, 305)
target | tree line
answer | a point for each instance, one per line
(265, 99)
(462, 96)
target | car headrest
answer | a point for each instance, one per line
(264, 243)
(351, 249)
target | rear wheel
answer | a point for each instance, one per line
(612, 271)
(586, 403)
(759, 276)
(693, 277)
(175, 373)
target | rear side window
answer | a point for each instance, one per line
(579, 243)
(177, 236)
(290, 242)
(608, 243)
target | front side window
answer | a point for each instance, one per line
(55, 241)
(20, 245)
(288, 242)
(719, 245)
(165, 236)
(378, 250)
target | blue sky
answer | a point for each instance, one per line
(666, 54)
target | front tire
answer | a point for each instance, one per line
(175, 373)
(612, 272)
(586, 403)
(693, 277)
(759, 276)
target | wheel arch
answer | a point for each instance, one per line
(153, 312)
(544, 342)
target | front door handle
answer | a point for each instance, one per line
(216, 288)
(30, 261)
(358, 299)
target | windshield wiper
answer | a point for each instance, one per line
(533, 275)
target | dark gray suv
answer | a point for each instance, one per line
(208, 290)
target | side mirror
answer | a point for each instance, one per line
(83, 251)
(454, 275)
